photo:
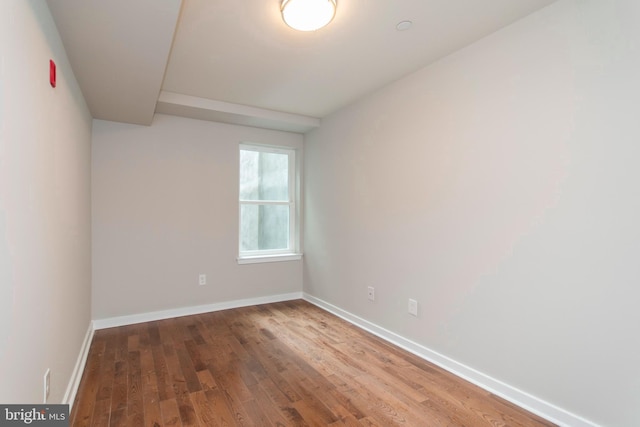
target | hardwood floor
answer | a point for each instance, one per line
(283, 364)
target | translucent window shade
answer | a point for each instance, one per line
(264, 227)
(264, 176)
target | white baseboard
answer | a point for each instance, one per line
(112, 322)
(521, 398)
(76, 375)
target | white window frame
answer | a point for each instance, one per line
(272, 255)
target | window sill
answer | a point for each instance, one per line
(269, 258)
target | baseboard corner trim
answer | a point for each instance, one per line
(132, 319)
(76, 375)
(533, 404)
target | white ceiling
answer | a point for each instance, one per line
(236, 61)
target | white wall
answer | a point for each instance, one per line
(500, 188)
(45, 240)
(165, 209)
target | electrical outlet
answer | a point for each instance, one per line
(413, 307)
(371, 293)
(47, 385)
(202, 279)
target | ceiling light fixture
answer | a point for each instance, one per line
(308, 15)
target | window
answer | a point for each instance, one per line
(268, 208)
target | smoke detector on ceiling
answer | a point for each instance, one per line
(404, 25)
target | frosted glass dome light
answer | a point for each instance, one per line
(308, 15)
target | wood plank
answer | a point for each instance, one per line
(170, 413)
(107, 366)
(122, 346)
(152, 413)
(195, 356)
(119, 392)
(206, 380)
(267, 406)
(188, 370)
(119, 418)
(101, 413)
(83, 408)
(134, 396)
(205, 411)
(256, 414)
(150, 396)
(161, 372)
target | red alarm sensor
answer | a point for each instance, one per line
(52, 73)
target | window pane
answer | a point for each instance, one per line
(264, 227)
(264, 176)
